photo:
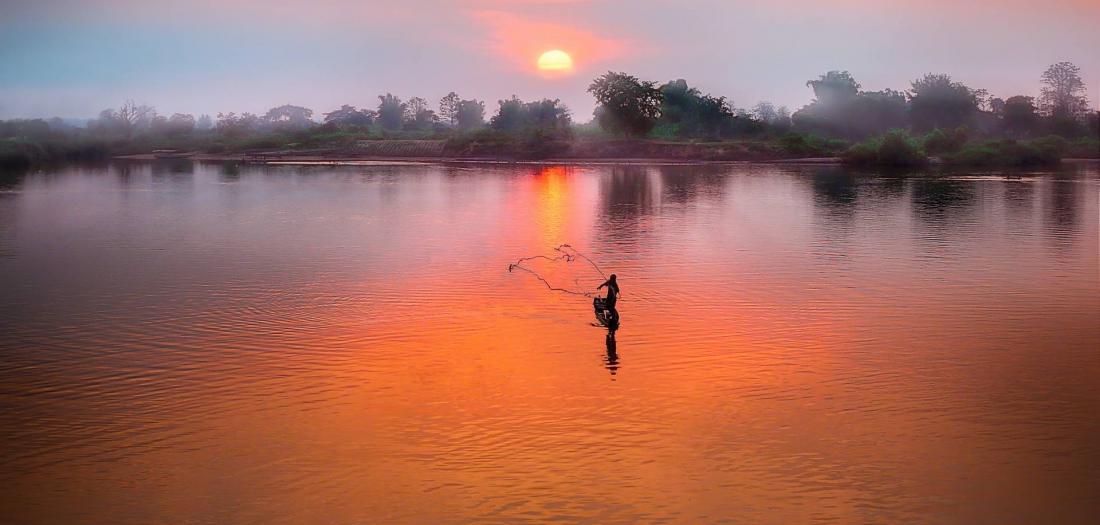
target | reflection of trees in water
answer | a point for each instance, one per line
(124, 172)
(937, 199)
(686, 184)
(835, 189)
(12, 178)
(628, 192)
(627, 198)
(1061, 217)
(1018, 196)
(229, 172)
(173, 167)
(840, 190)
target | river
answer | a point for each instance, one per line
(211, 343)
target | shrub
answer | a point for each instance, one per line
(1084, 148)
(1010, 153)
(895, 148)
(938, 141)
(809, 145)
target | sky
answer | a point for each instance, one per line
(73, 58)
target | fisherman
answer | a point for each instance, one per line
(612, 296)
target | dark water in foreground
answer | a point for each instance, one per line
(201, 344)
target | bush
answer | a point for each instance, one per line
(1084, 148)
(1010, 153)
(809, 145)
(895, 148)
(938, 141)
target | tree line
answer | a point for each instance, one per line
(948, 111)
(841, 108)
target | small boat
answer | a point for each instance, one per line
(603, 313)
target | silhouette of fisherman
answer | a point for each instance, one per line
(612, 296)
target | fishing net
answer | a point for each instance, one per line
(560, 272)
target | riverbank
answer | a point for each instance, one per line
(323, 159)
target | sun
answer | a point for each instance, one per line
(555, 60)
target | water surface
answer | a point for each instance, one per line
(204, 343)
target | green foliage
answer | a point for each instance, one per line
(516, 116)
(1019, 116)
(938, 141)
(391, 111)
(470, 114)
(1084, 148)
(1063, 94)
(936, 101)
(349, 117)
(895, 148)
(804, 145)
(529, 143)
(841, 110)
(834, 87)
(626, 105)
(1047, 151)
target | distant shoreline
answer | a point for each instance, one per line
(353, 160)
(315, 159)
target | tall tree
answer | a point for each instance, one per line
(448, 108)
(289, 116)
(1018, 116)
(391, 111)
(1063, 93)
(510, 115)
(414, 107)
(626, 105)
(541, 115)
(349, 116)
(470, 114)
(834, 86)
(936, 101)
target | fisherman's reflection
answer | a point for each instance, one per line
(611, 362)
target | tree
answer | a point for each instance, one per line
(288, 116)
(626, 104)
(841, 109)
(782, 117)
(135, 116)
(834, 86)
(510, 115)
(936, 101)
(1063, 93)
(765, 112)
(232, 125)
(997, 106)
(448, 108)
(348, 116)
(125, 120)
(179, 124)
(514, 115)
(687, 112)
(391, 111)
(470, 114)
(1019, 116)
(204, 123)
(415, 106)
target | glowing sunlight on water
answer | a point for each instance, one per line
(206, 343)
